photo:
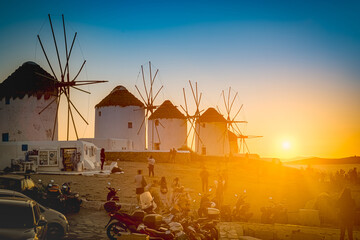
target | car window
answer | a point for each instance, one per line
(17, 216)
(11, 184)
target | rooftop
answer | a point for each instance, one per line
(120, 96)
(27, 80)
(167, 110)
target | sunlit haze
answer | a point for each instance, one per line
(295, 65)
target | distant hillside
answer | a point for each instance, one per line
(318, 161)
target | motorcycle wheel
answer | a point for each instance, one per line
(214, 233)
(116, 229)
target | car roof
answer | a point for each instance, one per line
(15, 193)
(12, 176)
(16, 201)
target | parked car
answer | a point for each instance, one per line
(58, 226)
(19, 183)
(21, 219)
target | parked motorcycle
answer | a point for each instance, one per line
(241, 210)
(274, 213)
(112, 200)
(53, 197)
(120, 223)
(200, 229)
(61, 198)
(72, 200)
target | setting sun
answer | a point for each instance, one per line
(286, 145)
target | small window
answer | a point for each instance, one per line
(156, 146)
(203, 151)
(5, 137)
(203, 125)
(7, 101)
(156, 122)
(129, 124)
(99, 113)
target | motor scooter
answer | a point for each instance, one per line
(112, 200)
(72, 199)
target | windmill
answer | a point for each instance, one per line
(193, 119)
(63, 82)
(148, 101)
(232, 124)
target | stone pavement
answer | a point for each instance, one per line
(88, 224)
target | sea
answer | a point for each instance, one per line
(329, 168)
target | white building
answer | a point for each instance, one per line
(167, 128)
(22, 97)
(119, 117)
(213, 139)
(50, 156)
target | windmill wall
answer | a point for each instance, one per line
(121, 123)
(171, 135)
(213, 138)
(20, 119)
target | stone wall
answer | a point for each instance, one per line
(163, 157)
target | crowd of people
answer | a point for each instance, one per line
(173, 195)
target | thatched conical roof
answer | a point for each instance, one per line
(120, 96)
(211, 115)
(167, 110)
(27, 80)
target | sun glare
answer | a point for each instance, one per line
(286, 145)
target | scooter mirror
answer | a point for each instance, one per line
(109, 183)
(52, 180)
(118, 189)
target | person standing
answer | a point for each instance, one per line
(164, 194)
(140, 184)
(204, 175)
(102, 158)
(347, 206)
(219, 191)
(173, 155)
(151, 165)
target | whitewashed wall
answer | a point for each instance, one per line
(172, 135)
(214, 138)
(21, 119)
(113, 123)
(111, 144)
(89, 154)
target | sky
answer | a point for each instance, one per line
(294, 64)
